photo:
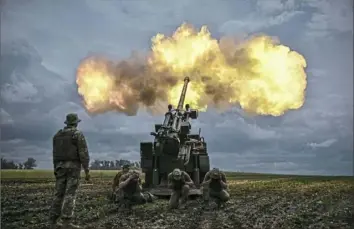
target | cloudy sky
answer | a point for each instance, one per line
(42, 43)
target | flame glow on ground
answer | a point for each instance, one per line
(261, 75)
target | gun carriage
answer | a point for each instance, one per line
(174, 147)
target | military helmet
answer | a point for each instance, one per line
(177, 174)
(72, 118)
(215, 173)
(126, 166)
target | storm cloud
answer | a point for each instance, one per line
(42, 43)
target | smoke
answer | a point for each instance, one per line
(259, 74)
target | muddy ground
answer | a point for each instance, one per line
(273, 203)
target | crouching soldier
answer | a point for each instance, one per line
(116, 179)
(215, 186)
(180, 183)
(130, 191)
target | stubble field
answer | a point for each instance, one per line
(257, 201)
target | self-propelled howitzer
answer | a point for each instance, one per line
(174, 147)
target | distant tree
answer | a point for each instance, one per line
(20, 166)
(96, 164)
(106, 164)
(30, 163)
(7, 164)
(112, 165)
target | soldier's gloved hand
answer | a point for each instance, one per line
(135, 176)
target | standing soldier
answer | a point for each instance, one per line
(130, 190)
(215, 186)
(180, 183)
(69, 154)
(116, 179)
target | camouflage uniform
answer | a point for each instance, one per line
(69, 154)
(215, 186)
(180, 182)
(116, 179)
(130, 190)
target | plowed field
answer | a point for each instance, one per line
(258, 201)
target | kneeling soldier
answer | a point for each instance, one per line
(180, 182)
(215, 186)
(130, 190)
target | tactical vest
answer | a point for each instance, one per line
(178, 184)
(130, 188)
(65, 148)
(215, 185)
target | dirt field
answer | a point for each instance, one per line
(258, 201)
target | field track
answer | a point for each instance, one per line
(258, 201)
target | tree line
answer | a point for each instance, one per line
(30, 163)
(112, 165)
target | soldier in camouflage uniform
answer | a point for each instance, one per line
(116, 179)
(69, 154)
(180, 183)
(215, 186)
(130, 190)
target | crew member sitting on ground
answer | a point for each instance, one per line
(130, 190)
(116, 179)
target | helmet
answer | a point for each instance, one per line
(126, 166)
(215, 173)
(177, 174)
(71, 119)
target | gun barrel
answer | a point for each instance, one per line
(183, 93)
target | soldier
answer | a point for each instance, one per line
(180, 182)
(215, 186)
(116, 179)
(130, 190)
(69, 154)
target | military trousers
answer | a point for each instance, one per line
(177, 194)
(130, 198)
(221, 195)
(66, 185)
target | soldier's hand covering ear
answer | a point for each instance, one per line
(134, 176)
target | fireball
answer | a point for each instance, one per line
(258, 74)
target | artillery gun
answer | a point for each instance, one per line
(174, 147)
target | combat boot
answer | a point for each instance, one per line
(221, 204)
(218, 203)
(183, 203)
